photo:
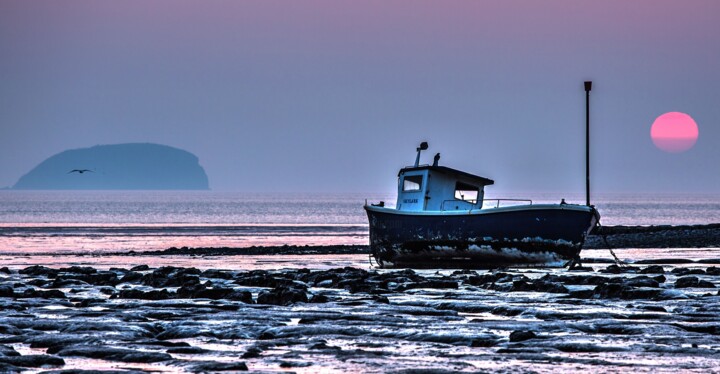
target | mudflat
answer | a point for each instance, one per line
(649, 318)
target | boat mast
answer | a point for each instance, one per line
(588, 87)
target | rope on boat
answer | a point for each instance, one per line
(618, 261)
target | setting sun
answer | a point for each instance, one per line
(674, 132)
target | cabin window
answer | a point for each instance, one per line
(466, 192)
(412, 182)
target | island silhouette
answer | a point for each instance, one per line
(129, 166)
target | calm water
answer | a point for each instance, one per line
(101, 221)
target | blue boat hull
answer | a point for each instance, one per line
(532, 235)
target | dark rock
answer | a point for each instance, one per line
(519, 336)
(294, 364)
(42, 283)
(686, 271)
(481, 280)
(33, 293)
(219, 274)
(107, 290)
(655, 269)
(252, 352)
(5, 270)
(114, 354)
(6, 291)
(55, 342)
(238, 295)
(581, 294)
(282, 296)
(587, 348)
(9, 330)
(686, 282)
(170, 276)
(654, 308)
(78, 270)
(622, 291)
(7, 368)
(319, 298)
(484, 342)
(149, 295)
(209, 367)
(62, 282)
(140, 268)
(131, 277)
(705, 284)
(642, 281)
(200, 291)
(37, 270)
(431, 283)
(187, 350)
(539, 286)
(261, 278)
(164, 343)
(104, 278)
(33, 361)
(712, 270)
(90, 302)
(6, 350)
(615, 269)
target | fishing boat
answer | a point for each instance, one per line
(441, 219)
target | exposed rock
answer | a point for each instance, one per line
(654, 269)
(282, 296)
(149, 295)
(615, 269)
(37, 270)
(6, 350)
(519, 336)
(686, 282)
(33, 361)
(114, 354)
(622, 291)
(49, 294)
(209, 367)
(6, 291)
(686, 271)
(187, 350)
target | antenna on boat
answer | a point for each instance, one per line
(423, 146)
(588, 87)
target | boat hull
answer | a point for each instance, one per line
(531, 235)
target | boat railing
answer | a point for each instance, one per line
(471, 204)
(497, 201)
(459, 204)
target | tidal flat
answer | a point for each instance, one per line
(641, 318)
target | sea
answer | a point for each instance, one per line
(98, 222)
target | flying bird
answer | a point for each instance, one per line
(80, 171)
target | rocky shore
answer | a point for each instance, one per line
(606, 237)
(664, 236)
(650, 318)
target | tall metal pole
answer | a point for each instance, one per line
(588, 87)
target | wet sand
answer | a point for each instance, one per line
(646, 318)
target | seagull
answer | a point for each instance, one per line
(80, 171)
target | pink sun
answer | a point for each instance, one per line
(674, 132)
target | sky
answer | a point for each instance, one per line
(334, 96)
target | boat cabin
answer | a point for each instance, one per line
(439, 188)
